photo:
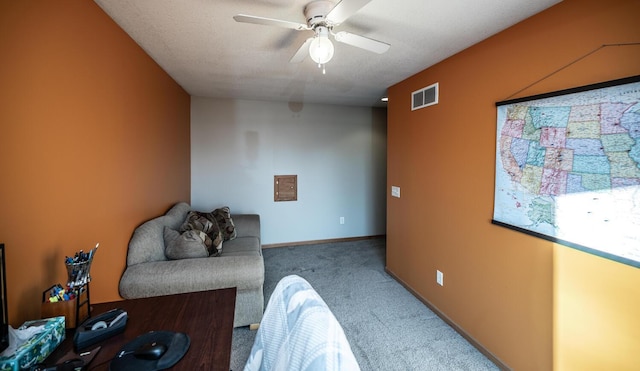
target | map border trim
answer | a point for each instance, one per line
(579, 89)
(572, 245)
(600, 253)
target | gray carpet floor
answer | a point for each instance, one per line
(387, 327)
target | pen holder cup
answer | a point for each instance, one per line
(78, 273)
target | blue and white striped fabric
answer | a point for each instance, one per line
(299, 332)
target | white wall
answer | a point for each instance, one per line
(338, 153)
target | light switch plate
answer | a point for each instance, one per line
(440, 278)
(395, 191)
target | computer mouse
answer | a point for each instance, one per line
(150, 350)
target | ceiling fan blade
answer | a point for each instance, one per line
(302, 52)
(362, 42)
(270, 22)
(345, 9)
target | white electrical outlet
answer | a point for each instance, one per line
(440, 278)
(342, 220)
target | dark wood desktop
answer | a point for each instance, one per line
(207, 317)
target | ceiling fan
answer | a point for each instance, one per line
(322, 16)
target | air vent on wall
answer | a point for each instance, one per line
(424, 97)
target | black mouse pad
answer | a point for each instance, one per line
(177, 345)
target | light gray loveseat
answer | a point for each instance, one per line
(241, 265)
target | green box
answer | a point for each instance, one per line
(36, 349)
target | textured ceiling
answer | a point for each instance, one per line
(200, 45)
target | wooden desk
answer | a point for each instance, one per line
(207, 317)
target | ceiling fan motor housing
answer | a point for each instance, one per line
(316, 12)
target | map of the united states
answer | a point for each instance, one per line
(568, 167)
(557, 150)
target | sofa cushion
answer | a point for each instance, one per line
(205, 222)
(242, 246)
(223, 217)
(187, 245)
(199, 222)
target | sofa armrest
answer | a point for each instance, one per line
(247, 225)
(147, 242)
(189, 275)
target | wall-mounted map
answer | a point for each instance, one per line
(568, 168)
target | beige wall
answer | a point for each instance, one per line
(94, 140)
(535, 305)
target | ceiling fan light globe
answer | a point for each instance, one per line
(321, 50)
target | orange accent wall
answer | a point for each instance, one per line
(533, 304)
(94, 140)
